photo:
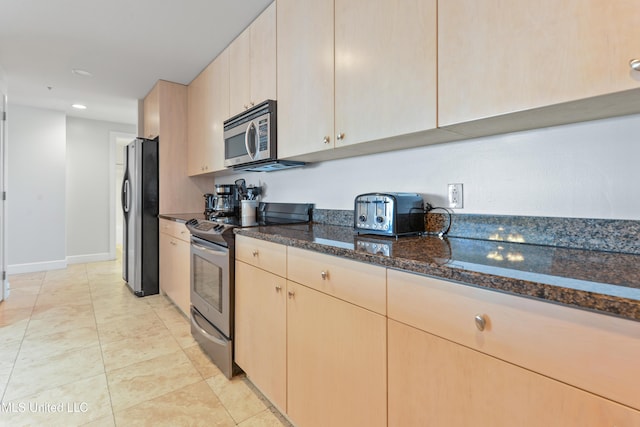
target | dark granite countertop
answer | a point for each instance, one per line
(182, 217)
(604, 282)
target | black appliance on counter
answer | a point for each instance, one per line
(140, 205)
(213, 277)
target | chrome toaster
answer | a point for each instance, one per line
(389, 214)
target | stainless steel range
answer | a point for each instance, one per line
(213, 277)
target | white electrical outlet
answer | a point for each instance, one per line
(455, 196)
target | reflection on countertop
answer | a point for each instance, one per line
(603, 281)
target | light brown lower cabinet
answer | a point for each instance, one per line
(355, 345)
(435, 382)
(175, 258)
(261, 321)
(320, 360)
(336, 360)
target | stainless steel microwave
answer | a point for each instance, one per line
(250, 137)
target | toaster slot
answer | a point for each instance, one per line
(361, 211)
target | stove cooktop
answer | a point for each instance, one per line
(220, 229)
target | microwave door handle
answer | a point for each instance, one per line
(246, 141)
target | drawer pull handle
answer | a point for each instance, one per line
(278, 288)
(481, 322)
(324, 275)
(291, 294)
(635, 64)
(255, 253)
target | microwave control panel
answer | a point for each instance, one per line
(263, 134)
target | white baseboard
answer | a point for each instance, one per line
(81, 259)
(35, 267)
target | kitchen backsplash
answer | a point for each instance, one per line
(608, 235)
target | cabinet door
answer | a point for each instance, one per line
(385, 71)
(219, 109)
(199, 117)
(240, 72)
(336, 361)
(263, 56)
(151, 113)
(305, 76)
(260, 340)
(175, 270)
(252, 57)
(434, 382)
(594, 352)
(497, 57)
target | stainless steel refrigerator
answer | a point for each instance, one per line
(140, 212)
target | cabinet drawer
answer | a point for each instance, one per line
(268, 256)
(356, 282)
(175, 229)
(595, 352)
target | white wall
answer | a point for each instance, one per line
(36, 189)
(582, 170)
(90, 181)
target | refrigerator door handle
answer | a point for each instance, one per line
(126, 198)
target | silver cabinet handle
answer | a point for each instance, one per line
(481, 322)
(340, 136)
(635, 64)
(255, 253)
(324, 275)
(278, 288)
(326, 139)
(291, 294)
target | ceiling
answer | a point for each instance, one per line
(126, 45)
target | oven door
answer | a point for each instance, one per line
(211, 279)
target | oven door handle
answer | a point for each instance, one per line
(209, 250)
(200, 329)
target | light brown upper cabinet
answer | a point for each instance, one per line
(252, 62)
(199, 106)
(151, 116)
(165, 115)
(305, 76)
(384, 62)
(497, 58)
(208, 108)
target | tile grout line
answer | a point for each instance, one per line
(24, 334)
(104, 368)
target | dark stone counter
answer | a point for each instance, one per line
(182, 217)
(605, 282)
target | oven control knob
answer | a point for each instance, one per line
(362, 218)
(380, 219)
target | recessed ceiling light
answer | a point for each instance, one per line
(79, 106)
(81, 72)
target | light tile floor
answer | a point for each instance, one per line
(78, 348)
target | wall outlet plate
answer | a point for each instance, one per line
(455, 196)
